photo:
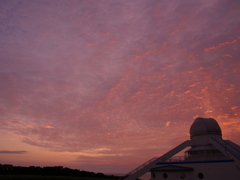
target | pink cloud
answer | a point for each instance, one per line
(115, 80)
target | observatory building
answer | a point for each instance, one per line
(208, 157)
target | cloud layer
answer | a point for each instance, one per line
(12, 152)
(117, 79)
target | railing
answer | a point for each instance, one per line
(197, 157)
(176, 159)
(146, 167)
(140, 167)
(225, 145)
(206, 157)
(234, 146)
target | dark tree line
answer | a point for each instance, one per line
(50, 171)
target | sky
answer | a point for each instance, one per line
(105, 85)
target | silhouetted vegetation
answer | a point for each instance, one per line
(60, 171)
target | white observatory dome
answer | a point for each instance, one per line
(205, 126)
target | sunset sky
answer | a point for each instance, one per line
(105, 85)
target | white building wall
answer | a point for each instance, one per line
(211, 171)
